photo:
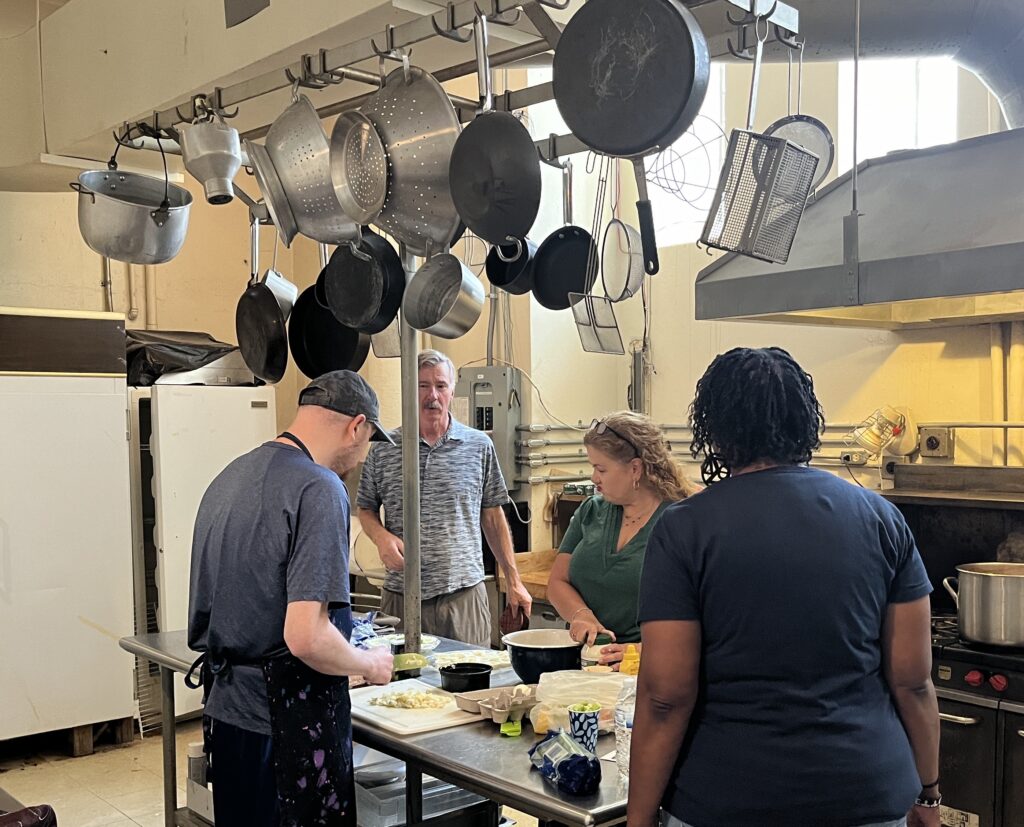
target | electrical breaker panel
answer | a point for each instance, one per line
(489, 398)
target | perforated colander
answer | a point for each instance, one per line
(300, 152)
(359, 167)
(419, 127)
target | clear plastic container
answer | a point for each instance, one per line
(624, 707)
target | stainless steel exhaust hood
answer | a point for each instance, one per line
(941, 243)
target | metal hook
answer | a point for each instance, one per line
(552, 158)
(555, 4)
(743, 52)
(515, 256)
(786, 37)
(450, 31)
(389, 42)
(505, 20)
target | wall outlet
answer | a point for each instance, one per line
(937, 442)
(854, 457)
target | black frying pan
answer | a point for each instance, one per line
(365, 294)
(319, 342)
(560, 266)
(494, 171)
(495, 177)
(629, 79)
(259, 326)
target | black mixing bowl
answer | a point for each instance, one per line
(536, 651)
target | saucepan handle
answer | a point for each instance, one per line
(646, 216)
(954, 590)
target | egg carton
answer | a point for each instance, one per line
(499, 705)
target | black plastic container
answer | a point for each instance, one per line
(465, 677)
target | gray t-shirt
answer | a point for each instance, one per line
(458, 477)
(272, 529)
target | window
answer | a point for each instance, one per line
(682, 179)
(904, 104)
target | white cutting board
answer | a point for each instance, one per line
(407, 721)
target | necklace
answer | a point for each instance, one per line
(644, 516)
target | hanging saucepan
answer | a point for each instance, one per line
(494, 172)
(319, 342)
(365, 294)
(560, 263)
(510, 266)
(444, 298)
(629, 78)
(260, 323)
(418, 125)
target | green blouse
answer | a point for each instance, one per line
(607, 580)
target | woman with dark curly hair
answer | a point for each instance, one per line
(786, 674)
(595, 579)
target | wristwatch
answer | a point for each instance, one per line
(927, 800)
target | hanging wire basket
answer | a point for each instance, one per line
(761, 195)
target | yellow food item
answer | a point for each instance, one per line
(411, 699)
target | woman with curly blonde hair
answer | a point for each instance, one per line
(595, 580)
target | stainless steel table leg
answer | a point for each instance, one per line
(413, 794)
(169, 742)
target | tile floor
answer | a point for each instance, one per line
(117, 786)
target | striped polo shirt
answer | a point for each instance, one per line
(459, 476)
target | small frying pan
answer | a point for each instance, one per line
(259, 322)
(560, 264)
(365, 294)
(319, 342)
(494, 171)
(629, 79)
(259, 326)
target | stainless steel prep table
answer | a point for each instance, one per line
(474, 757)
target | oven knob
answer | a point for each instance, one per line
(999, 683)
(974, 678)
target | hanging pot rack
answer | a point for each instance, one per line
(330, 67)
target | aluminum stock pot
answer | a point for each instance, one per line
(990, 602)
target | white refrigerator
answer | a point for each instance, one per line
(182, 436)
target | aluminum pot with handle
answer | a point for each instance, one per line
(629, 79)
(444, 298)
(122, 215)
(990, 602)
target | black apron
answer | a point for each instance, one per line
(311, 725)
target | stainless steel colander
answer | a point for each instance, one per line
(359, 167)
(301, 154)
(419, 127)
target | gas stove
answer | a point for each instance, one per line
(990, 671)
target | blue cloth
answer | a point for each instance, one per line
(790, 572)
(242, 774)
(272, 529)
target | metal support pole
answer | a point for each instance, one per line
(168, 742)
(411, 473)
(413, 793)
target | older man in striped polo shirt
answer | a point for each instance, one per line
(461, 492)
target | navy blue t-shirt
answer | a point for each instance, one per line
(272, 529)
(790, 572)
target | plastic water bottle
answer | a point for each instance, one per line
(624, 706)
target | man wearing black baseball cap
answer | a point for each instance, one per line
(269, 607)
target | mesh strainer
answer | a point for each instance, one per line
(298, 147)
(359, 167)
(762, 189)
(419, 126)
